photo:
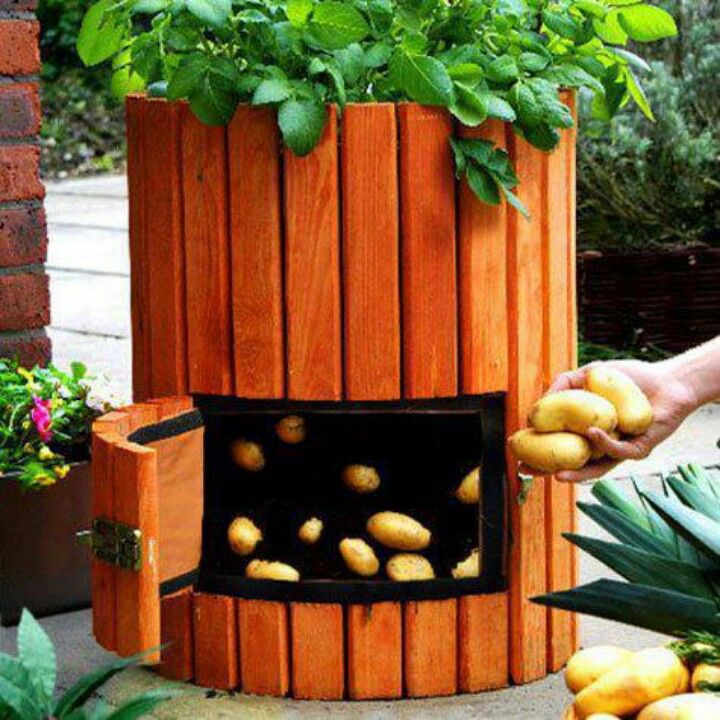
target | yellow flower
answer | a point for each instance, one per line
(44, 479)
(56, 403)
(26, 374)
(46, 453)
(62, 470)
(26, 425)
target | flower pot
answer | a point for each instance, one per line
(42, 567)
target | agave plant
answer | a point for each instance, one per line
(668, 550)
(27, 684)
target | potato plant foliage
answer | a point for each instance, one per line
(504, 59)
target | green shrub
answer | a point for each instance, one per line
(642, 185)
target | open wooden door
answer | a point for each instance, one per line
(147, 523)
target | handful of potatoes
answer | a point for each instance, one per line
(556, 439)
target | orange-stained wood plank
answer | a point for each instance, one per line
(176, 633)
(482, 248)
(482, 642)
(207, 253)
(140, 415)
(527, 567)
(318, 662)
(430, 647)
(112, 422)
(164, 310)
(264, 651)
(104, 578)
(560, 334)
(135, 496)
(169, 407)
(428, 253)
(374, 651)
(139, 277)
(216, 641)
(371, 282)
(256, 247)
(312, 271)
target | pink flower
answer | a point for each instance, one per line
(40, 415)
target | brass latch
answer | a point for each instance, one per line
(114, 542)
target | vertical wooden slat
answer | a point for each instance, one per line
(141, 414)
(430, 647)
(312, 271)
(104, 580)
(371, 283)
(318, 652)
(168, 407)
(482, 642)
(428, 254)
(264, 652)
(216, 641)
(164, 310)
(176, 633)
(482, 246)
(528, 621)
(135, 496)
(374, 651)
(558, 258)
(207, 255)
(139, 279)
(256, 244)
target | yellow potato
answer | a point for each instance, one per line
(408, 566)
(705, 673)
(550, 452)
(248, 455)
(469, 567)
(310, 531)
(595, 453)
(361, 478)
(602, 716)
(689, 706)
(359, 557)
(269, 570)
(647, 676)
(634, 411)
(291, 429)
(243, 536)
(398, 531)
(468, 491)
(572, 411)
(588, 664)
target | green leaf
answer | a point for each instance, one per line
(215, 100)
(351, 61)
(298, 11)
(608, 493)
(643, 568)
(187, 77)
(567, 75)
(483, 184)
(542, 136)
(302, 123)
(21, 705)
(610, 30)
(561, 24)
(377, 55)
(468, 73)
(124, 80)
(474, 149)
(143, 704)
(662, 611)
(211, 12)
(591, 7)
(647, 23)
(37, 654)
(503, 70)
(695, 498)
(698, 529)
(334, 25)
(149, 6)
(469, 108)
(638, 94)
(631, 58)
(271, 91)
(526, 105)
(515, 202)
(78, 370)
(102, 33)
(532, 62)
(424, 79)
(498, 108)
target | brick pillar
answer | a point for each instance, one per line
(24, 294)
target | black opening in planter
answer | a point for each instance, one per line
(422, 450)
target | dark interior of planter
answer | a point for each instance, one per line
(422, 450)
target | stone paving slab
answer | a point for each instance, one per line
(88, 211)
(97, 185)
(96, 252)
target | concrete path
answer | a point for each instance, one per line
(89, 271)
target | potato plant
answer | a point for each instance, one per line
(503, 59)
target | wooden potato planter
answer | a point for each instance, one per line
(360, 279)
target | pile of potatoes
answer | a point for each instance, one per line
(557, 437)
(655, 684)
(392, 530)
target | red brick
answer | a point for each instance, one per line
(30, 348)
(23, 237)
(24, 301)
(19, 51)
(16, 5)
(19, 110)
(20, 173)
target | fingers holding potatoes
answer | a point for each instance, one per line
(550, 452)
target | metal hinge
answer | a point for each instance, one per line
(114, 542)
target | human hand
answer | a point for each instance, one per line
(672, 401)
